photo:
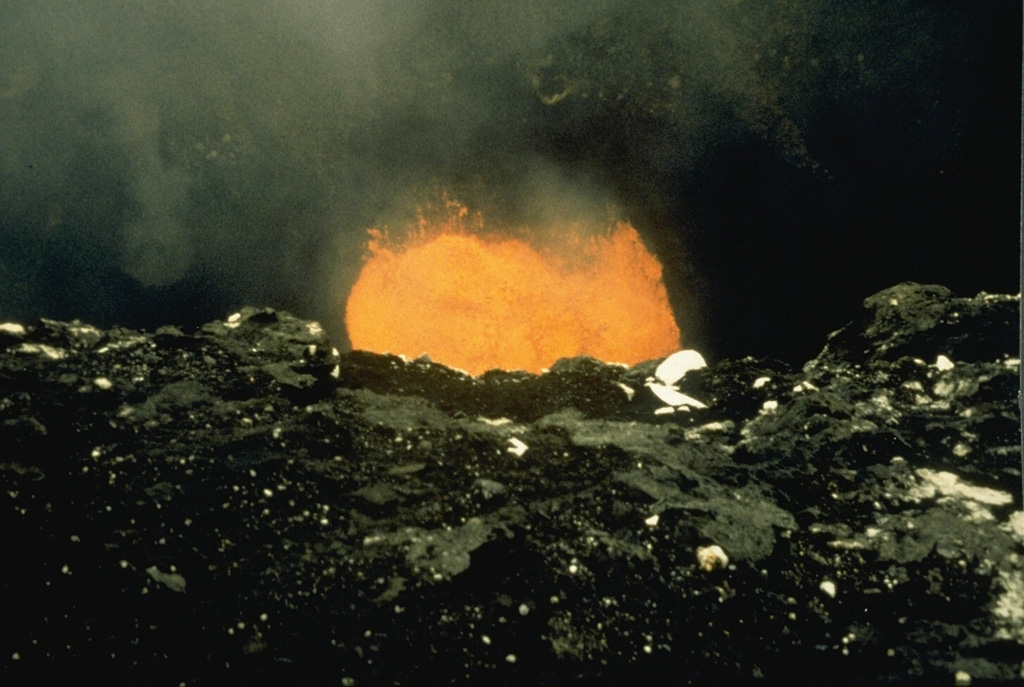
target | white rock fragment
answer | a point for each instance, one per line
(87, 330)
(672, 397)
(711, 558)
(961, 678)
(12, 328)
(761, 381)
(497, 422)
(518, 448)
(41, 349)
(667, 410)
(674, 367)
(961, 449)
(314, 329)
(946, 485)
(234, 320)
(804, 386)
(828, 588)
(629, 391)
(103, 383)
(651, 521)
(943, 363)
(769, 406)
(998, 296)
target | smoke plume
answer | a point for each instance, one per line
(171, 162)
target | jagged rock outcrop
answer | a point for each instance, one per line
(245, 503)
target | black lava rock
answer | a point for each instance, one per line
(247, 504)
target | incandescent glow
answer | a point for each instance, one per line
(476, 302)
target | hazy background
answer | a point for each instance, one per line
(171, 162)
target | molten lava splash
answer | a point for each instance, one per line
(478, 303)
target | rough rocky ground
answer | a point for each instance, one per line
(245, 504)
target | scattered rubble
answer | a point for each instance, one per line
(361, 519)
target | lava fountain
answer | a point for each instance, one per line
(474, 301)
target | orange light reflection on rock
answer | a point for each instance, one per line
(476, 302)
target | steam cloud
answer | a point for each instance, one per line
(165, 162)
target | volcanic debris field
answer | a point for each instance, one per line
(245, 504)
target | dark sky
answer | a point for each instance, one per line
(172, 162)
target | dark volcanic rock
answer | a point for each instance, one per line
(247, 504)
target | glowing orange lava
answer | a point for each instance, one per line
(476, 302)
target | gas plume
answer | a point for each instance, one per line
(174, 161)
